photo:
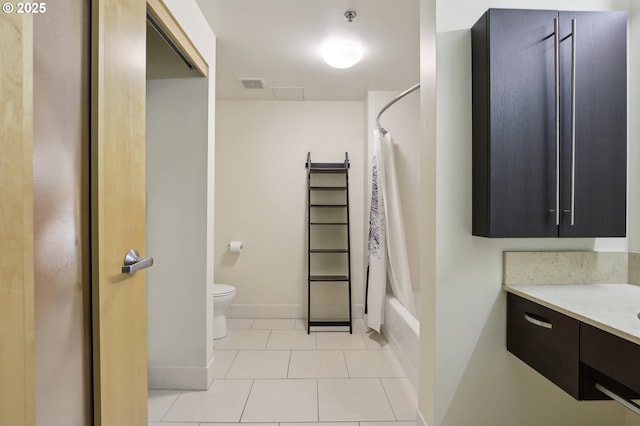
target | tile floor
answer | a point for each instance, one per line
(270, 372)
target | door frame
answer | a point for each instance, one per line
(172, 31)
(17, 323)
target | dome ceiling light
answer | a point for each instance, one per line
(343, 54)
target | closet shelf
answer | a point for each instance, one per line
(327, 167)
(330, 324)
(328, 278)
(328, 188)
(329, 251)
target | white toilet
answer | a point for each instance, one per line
(223, 294)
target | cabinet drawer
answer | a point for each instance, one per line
(611, 355)
(546, 340)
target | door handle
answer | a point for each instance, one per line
(624, 401)
(556, 54)
(133, 262)
(572, 216)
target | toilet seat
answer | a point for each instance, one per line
(222, 290)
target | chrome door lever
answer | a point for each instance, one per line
(133, 262)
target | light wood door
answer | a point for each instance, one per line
(118, 211)
(17, 385)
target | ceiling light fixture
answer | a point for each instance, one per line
(343, 54)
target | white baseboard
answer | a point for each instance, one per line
(180, 378)
(289, 311)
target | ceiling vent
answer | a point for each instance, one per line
(252, 83)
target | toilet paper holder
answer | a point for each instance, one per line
(235, 246)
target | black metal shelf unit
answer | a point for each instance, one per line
(317, 222)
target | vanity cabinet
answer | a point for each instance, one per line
(549, 110)
(610, 361)
(572, 354)
(546, 340)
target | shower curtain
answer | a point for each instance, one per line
(387, 246)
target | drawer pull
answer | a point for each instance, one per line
(628, 404)
(538, 322)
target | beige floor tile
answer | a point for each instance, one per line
(375, 340)
(236, 424)
(289, 400)
(359, 325)
(223, 402)
(273, 324)
(259, 365)
(291, 340)
(239, 323)
(338, 378)
(403, 398)
(340, 340)
(353, 400)
(244, 339)
(317, 364)
(222, 361)
(159, 402)
(373, 363)
(321, 424)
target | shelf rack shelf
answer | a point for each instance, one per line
(319, 223)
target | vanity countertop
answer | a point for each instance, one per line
(610, 307)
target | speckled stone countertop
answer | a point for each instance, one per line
(610, 307)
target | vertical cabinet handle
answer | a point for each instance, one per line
(572, 212)
(556, 53)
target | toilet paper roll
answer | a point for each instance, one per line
(235, 246)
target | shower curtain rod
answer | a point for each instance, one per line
(400, 96)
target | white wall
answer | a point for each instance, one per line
(633, 191)
(634, 145)
(180, 214)
(261, 196)
(402, 122)
(478, 382)
(427, 230)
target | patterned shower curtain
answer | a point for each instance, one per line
(387, 245)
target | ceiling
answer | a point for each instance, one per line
(280, 41)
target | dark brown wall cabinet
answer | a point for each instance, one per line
(573, 355)
(549, 123)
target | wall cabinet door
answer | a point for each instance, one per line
(600, 124)
(525, 166)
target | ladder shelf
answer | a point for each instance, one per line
(327, 213)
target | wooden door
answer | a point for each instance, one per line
(600, 123)
(17, 384)
(118, 211)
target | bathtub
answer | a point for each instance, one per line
(402, 330)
